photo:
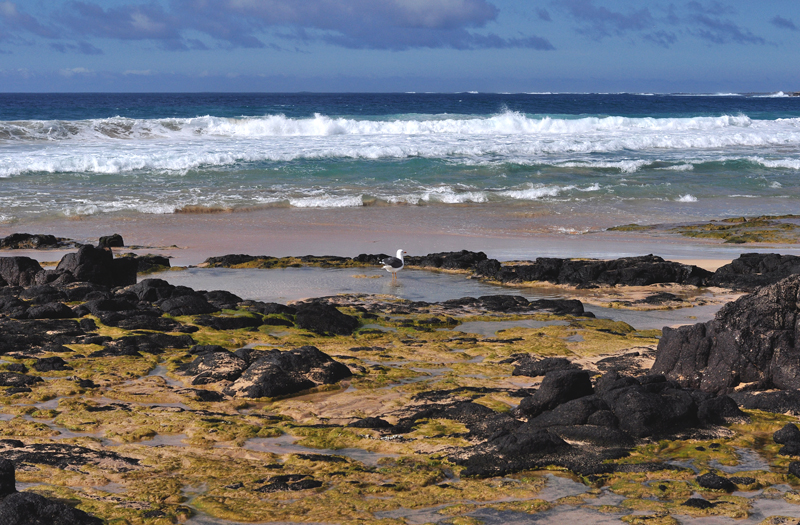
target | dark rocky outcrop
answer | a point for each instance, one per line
(51, 311)
(558, 387)
(27, 241)
(229, 322)
(19, 271)
(31, 336)
(630, 271)
(323, 318)
(50, 364)
(754, 270)
(27, 508)
(8, 478)
(187, 305)
(111, 241)
(223, 299)
(713, 481)
(17, 380)
(370, 422)
(215, 365)
(98, 266)
(753, 340)
(281, 373)
(64, 456)
(528, 365)
(463, 260)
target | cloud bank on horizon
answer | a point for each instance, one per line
(383, 43)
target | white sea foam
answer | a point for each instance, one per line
(533, 192)
(678, 167)
(793, 164)
(328, 201)
(687, 198)
(118, 145)
(508, 122)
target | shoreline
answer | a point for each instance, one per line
(189, 239)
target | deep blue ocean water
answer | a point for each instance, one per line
(84, 154)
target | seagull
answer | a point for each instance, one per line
(394, 264)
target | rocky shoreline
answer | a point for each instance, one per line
(97, 363)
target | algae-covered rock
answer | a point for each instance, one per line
(282, 373)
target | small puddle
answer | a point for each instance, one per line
(112, 488)
(560, 487)
(164, 440)
(285, 445)
(749, 460)
(161, 371)
(559, 516)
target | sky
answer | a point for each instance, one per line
(501, 46)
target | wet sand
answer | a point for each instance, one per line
(504, 234)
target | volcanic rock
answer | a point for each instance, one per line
(111, 241)
(370, 422)
(282, 373)
(715, 482)
(463, 260)
(215, 366)
(223, 299)
(19, 271)
(50, 364)
(28, 508)
(41, 294)
(755, 339)
(8, 480)
(528, 365)
(754, 270)
(229, 323)
(323, 318)
(558, 387)
(788, 434)
(17, 380)
(629, 271)
(187, 305)
(27, 241)
(98, 266)
(51, 311)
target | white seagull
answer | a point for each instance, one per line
(394, 264)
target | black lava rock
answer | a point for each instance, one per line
(281, 373)
(788, 434)
(49, 364)
(754, 270)
(27, 508)
(715, 482)
(323, 318)
(111, 241)
(557, 388)
(530, 366)
(96, 265)
(754, 339)
(370, 422)
(187, 305)
(8, 480)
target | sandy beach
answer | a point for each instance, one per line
(190, 238)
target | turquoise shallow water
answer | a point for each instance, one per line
(652, 155)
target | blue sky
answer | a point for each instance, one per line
(400, 45)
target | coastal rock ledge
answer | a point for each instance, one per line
(752, 344)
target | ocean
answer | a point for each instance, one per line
(644, 158)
